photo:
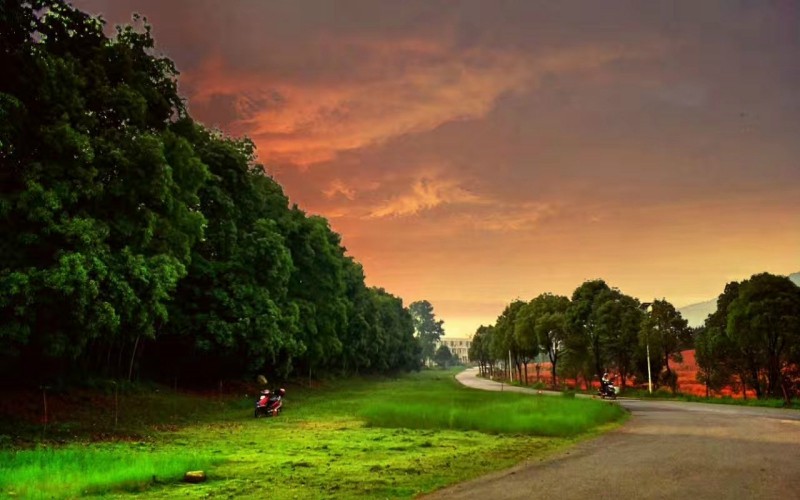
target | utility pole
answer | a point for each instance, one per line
(645, 307)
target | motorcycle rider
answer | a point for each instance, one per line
(605, 383)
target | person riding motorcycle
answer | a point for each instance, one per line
(607, 388)
(604, 382)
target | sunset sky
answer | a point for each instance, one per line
(474, 152)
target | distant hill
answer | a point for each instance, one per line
(696, 314)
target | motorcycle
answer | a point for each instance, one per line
(269, 404)
(607, 390)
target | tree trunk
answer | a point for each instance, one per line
(133, 357)
(672, 382)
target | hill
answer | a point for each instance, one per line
(696, 314)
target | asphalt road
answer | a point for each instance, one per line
(669, 450)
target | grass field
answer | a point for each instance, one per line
(355, 439)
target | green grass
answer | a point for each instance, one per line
(493, 413)
(77, 470)
(326, 443)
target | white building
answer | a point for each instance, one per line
(459, 347)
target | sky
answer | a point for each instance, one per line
(471, 153)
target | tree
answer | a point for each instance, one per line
(667, 334)
(713, 353)
(618, 322)
(479, 349)
(318, 288)
(443, 357)
(99, 207)
(763, 322)
(543, 323)
(504, 341)
(126, 227)
(717, 351)
(232, 310)
(429, 330)
(584, 342)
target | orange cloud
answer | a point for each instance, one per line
(510, 217)
(403, 87)
(427, 193)
(337, 187)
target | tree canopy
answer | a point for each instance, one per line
(752, 340)
(428, 329)
(133, 240)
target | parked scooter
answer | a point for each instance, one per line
(269, 404)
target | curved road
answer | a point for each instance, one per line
(666, 450)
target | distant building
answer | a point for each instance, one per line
(459, 347)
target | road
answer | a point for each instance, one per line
(666, 450)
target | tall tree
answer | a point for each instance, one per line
(429, 330)
(618, 323)
(667, 334)
(764, 324)
(543, 322)
(505, 343)
(585, 342)
(479, 349)
(713, 353)
(99, 205)
(232, 310)
(725, 355)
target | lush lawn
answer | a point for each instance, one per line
(442, 407)
(77, 470)
(356, 439)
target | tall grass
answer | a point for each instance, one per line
(78, 470)
(489, 412)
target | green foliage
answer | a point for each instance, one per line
(667, 334)
(763, 322)
(429, 330)
(753, 337)
(586, 353)
(713, 353)
(99, 196)
(542, 324)
(443, 357)
(133, 241)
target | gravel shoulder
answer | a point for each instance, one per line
(666, 450)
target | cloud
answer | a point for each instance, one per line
(511, 217)
(426, 193)
(404, 86)
(337, 187)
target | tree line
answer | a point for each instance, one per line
(753, 338)
(135, 241)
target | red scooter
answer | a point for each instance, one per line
(269, 404)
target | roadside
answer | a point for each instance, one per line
(666, 450)
(470, 378)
